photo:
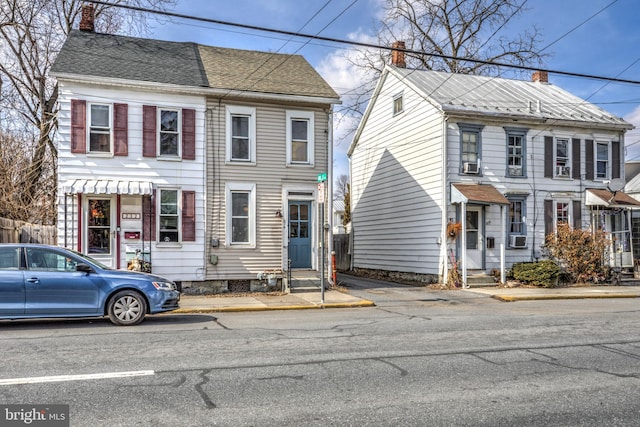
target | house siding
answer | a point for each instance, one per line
(178, 262)
(396, 185)
(271, 175)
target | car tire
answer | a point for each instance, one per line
(126, 308)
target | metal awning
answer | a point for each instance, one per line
(482, 194)
(606, 198)
(107, 186)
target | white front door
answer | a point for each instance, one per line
(100, 230)
(475, 238)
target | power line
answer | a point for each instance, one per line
(363, 44)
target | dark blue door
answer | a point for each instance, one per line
(12, 289)
(300, 234)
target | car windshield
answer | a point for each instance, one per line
(91, 260)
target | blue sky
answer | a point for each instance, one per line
(608, 44)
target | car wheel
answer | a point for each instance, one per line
(127, 308)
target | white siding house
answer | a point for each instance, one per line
(201, 162)
(501, 160)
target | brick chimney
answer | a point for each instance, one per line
(88, 16)
(397, 56)
(540, 76)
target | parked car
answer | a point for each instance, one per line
(40, 281)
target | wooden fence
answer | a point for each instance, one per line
(341, 248)
(23, 232)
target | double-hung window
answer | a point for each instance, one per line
(517, 212)
(562, 158)
(169, 132)
(470, 146)
(240, 134)
(602, 160)
(398, 106)
(100, 128)
(516, 152)
(241, 214)
(300, 143)
(562, 213)
(169, 217)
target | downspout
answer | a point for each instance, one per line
(330, 192)
(445, 204)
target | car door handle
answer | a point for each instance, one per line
(33, 280)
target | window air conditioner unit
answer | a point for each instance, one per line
(563, 171)
(515, 171)
(469, 167)
(518, 241)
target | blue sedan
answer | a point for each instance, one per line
(38, 281)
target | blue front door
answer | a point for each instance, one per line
(300, 234)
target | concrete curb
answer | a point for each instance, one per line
(362, 303)
(512, 298)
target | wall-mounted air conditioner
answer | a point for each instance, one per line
(515, 171)
(468, 167)
(517, 241)
(563, 171)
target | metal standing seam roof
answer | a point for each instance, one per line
(487, 96)
(98, 55)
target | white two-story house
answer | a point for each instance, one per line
(472, 171)
(202, 161)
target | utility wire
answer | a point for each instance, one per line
(363, 44)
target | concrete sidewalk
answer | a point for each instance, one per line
(293, 301)
(574, 292)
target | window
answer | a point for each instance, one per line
(397, 104)
(9, 258)
(563, 213)
(602, 160)
(169, 133)
(241, 134)
(169, 217)
(300, 144)
(517, 216)
(99, 128)
(470, 148)
(562, 158)
(241, 214)
(516, 146)
(39, 259)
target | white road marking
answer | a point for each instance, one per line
(83, 377)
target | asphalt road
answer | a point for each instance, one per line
(423, 358)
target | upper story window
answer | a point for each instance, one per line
(398, 104)
(300, 141)
(99, 128)
(169, 132)
(562, 158)
(470, 146)
(603, 160)
(241, 134)
(516, 152)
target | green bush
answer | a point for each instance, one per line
(542, 273)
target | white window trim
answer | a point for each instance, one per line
(88, 131)
(569, 159)
(609, 160)
(231, 187)
(569, 212)
(306, 115)
(232, 110)
(393, 103)
(158, 215)
(158, 126)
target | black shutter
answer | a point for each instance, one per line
(548, 157)
(577, 214)
(149, 131)
(576, 161)
(120, 129)
(548, 217)
(588, 156)
(78, 126)
(616, 159)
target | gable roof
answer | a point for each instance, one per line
(98, 56)
(494, 96)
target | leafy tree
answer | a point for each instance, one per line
(31, 34)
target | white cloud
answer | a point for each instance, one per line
(632, 138)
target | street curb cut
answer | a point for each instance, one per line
(509, 298)
(363, 303)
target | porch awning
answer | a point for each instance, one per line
(107, 186)
(481, 194)
(602, 197)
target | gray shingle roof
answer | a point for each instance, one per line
(490, 96)
(105, 55)
(188, 64)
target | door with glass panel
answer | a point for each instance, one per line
(474, 237)
(100, 230)
(300, 234)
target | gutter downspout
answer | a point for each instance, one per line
(330, 194)
(445, 203)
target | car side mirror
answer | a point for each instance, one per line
(85, 268)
